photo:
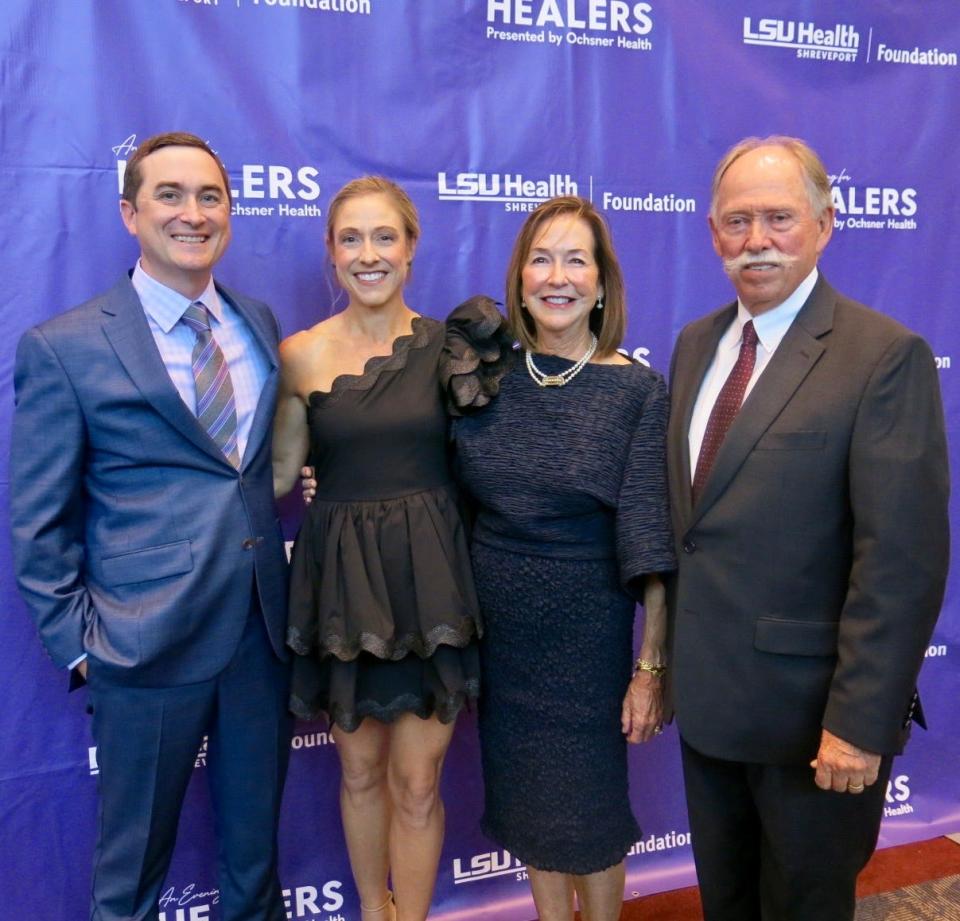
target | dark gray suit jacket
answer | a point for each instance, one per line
(135, 540)
(812, 568)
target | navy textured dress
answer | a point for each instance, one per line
(571, 495)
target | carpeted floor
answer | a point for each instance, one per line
(892, 887)
(936, 900)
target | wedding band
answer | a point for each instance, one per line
(855, 789)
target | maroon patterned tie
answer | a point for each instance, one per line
(726, 407)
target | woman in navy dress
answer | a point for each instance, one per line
(566, 467)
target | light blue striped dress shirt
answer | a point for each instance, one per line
(246, 360)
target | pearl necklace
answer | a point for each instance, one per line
(564, 377)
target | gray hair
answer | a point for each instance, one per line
(815, 177)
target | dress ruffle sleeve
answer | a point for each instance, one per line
(644, 532)
(477, 353)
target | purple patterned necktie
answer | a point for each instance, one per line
(726, 407)
(216, 408)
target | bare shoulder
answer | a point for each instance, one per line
(309, 344)
(304, 352)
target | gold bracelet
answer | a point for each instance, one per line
(642, 665)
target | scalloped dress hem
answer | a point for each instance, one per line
(446, 710)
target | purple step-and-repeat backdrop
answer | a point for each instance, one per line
(481, 108)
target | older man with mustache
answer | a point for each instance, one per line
(809, 485)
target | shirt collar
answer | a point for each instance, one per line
(772, 325)
(166, 306)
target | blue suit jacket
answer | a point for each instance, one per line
(135, 540)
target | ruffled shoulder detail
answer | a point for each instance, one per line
(422, 330)
(477, 353)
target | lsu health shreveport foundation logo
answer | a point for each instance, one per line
(924, 57)
(839, 42)
(654, 843)
(488, 865)
(354, 7)
(514, 191)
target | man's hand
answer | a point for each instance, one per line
(843, 767)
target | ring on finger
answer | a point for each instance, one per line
(855, 788)
(657, 730)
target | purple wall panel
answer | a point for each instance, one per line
(479, 107)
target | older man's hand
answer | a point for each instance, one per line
(842, 767)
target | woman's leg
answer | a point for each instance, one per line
(601, 894)
(552, 894)
(417, 750)
(365, 807)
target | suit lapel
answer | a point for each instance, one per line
(686, 381)
(126, 327)
(264, 335)
(263, 415)
(791, 363)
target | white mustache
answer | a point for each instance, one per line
(768, 256)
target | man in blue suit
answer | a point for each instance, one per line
(146, 540)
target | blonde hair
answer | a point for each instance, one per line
(376, 185)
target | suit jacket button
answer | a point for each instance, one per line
(248, 543)
(688, 546)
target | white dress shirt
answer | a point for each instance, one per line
(771, 326)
